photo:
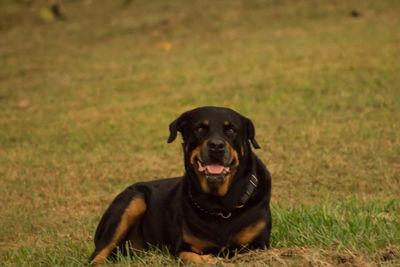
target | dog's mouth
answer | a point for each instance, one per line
(214, 172)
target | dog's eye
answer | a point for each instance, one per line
(230, 131)
(201, 129)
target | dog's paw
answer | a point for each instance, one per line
(191, 257)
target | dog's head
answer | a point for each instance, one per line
(215, 141)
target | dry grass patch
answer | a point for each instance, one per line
(309, 256)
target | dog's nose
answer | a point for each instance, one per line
(216, 145)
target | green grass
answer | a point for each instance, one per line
(367, 227)
(85, 105)
(340, 227)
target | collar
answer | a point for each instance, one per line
(251, 186)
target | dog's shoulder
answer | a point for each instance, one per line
(159, 189)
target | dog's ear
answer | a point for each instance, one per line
(175, 126)
(251, 132)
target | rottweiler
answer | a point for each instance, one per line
(220, 204)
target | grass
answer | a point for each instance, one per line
(344, 225)
(85, 105)
(372, 228)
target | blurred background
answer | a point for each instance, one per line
(88, 89)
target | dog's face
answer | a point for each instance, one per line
(216, 140)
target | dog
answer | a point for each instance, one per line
(220, 204)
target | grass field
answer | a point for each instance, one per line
(85, 105)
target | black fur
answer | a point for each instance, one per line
(175, 205)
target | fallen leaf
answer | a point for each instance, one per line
(23, 103)
(166, 46)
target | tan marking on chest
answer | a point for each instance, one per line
(247, 234)
(197, 245)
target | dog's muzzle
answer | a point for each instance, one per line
(214, 161)
(214, 173)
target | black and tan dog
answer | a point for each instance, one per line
(220, 204)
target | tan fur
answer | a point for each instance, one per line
(202, 179)
(224, 187)
(135, 237)
(246, 235)
(217, 188)
(132, 213)
(191, 257)
(196, 244)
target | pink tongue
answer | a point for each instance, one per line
(215, 169)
